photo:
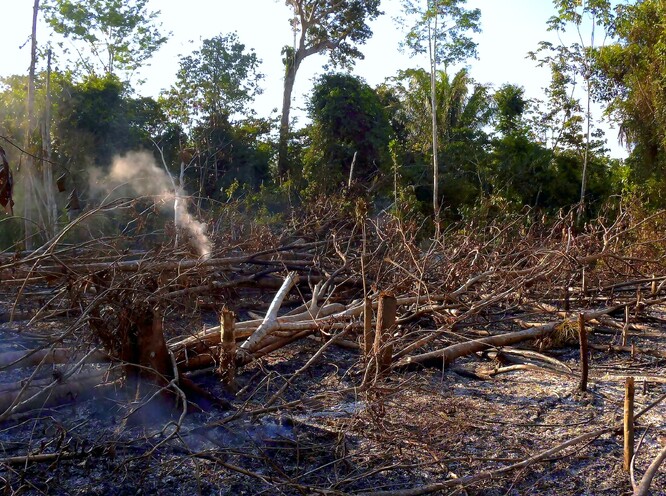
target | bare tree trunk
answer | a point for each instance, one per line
(51, 217)
(583, 182)
(289, 80)
(28, 168)
(432, 43)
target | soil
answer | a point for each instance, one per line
(325, 436)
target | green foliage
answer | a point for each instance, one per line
(630, 76)
(228, 153)
(120, 35)
(510, 105)
(219, 79)
(463, 112)
(444, 25)
(333, 26)
(348, 125)
(459, 111)
(337, 26)
(13, 95)
(95, 120)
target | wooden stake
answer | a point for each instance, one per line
(628, 423)
(368, 331)
(383, 349)
(653, 286)
(227, 368)
(582, 335)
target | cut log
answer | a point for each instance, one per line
(383, 348)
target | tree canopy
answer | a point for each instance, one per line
(118, 35)
(333, 26)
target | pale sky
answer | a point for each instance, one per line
(511, 28)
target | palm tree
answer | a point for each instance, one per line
(460, 109)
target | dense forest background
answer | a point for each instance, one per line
(431, 144)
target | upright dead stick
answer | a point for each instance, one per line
(628, 423)
(270, 320)
(625, 328)
(582, 335)
(227, 368)
(368, 333)
(383, 349)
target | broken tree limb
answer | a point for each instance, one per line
(643, 488)
(533, 331)
(450, 353)
(270, 321)
(312, 360)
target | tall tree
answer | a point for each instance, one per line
(575, 60)
(219, 79)
(333, 26)
(630, 74)
(463, 110)
(442, 30)
(211, 99)
(121, 35)
(28, 170)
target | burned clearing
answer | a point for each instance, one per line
(342, 354)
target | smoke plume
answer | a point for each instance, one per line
(137, 173)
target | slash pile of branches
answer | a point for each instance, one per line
(376, 287)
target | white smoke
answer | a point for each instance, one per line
(138, 172)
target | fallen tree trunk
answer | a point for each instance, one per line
(20, 397)
(11, 360)
(450, 353)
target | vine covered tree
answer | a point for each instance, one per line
(120, 35)
(333, 26)
(349, 135)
